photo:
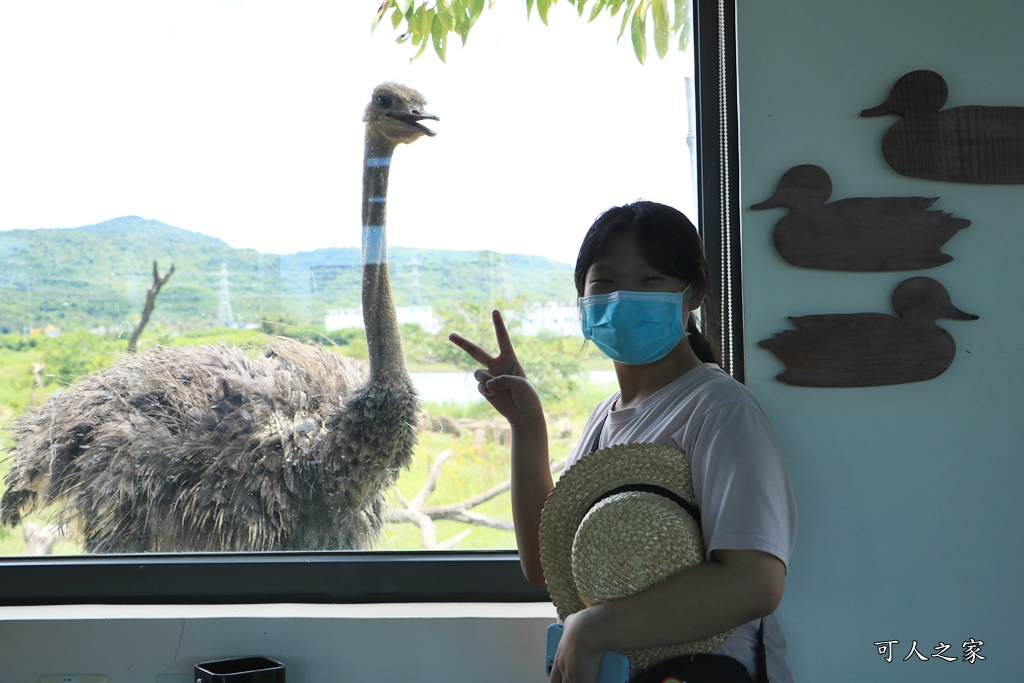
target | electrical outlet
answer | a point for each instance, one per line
(73, 678)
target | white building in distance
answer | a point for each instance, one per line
(553, 318)
(407, 315)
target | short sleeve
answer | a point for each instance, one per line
(741, 482)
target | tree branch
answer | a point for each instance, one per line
(158, 283)
(413, 512)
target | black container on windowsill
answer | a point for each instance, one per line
(240, 670)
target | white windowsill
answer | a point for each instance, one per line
(453, 610)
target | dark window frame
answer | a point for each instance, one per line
(419, 576)
(718, 169)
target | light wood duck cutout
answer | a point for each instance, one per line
(970, 144)
(871, 349)
(859, 233)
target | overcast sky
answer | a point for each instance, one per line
(242, 120)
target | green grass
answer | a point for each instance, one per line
(475, 467)
(12, 541)
(16, 380)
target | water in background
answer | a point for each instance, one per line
(460, 387)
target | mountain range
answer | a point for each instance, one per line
(98, 275)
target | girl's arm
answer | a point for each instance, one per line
(502, 381)
(531, 484)
(734, 587)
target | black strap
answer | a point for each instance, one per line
(597, 434)
(648, 488)
(690, 508)
(761, 655)
(699, 668)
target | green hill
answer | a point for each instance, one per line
(98, 275)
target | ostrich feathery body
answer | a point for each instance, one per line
(208, 449)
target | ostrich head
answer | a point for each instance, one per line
(394, 114)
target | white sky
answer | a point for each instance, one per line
(242, 120)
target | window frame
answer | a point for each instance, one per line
(415, 576)
(350, 577)
(718, 214)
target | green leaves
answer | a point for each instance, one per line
(662, 27)
(439, 31)
(437, 21)
(542, 9)
(420, 20)
(638, 33)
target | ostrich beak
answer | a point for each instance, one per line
(413, 118)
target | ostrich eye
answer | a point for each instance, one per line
(384, 100)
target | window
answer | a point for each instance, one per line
(226, 139)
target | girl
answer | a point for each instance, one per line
(640, 273)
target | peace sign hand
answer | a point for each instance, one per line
(502, 380)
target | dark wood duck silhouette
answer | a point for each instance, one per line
(859, 233)
(871, 349)
(970, 144)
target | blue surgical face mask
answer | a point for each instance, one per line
(635, 328)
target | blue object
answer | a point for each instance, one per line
(614, 665)
(635, 328)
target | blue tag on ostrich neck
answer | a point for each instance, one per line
(375, 247)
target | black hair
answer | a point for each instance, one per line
(670, 242)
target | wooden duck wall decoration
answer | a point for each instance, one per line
(859, 233)
(969, 144)
(872, 349)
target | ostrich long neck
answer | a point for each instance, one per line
(382, 336)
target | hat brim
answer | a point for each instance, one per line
(577, 490)
(618, 533)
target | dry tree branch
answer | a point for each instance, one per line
(413, 512)
(37, 383)
(432, 476)
(158, 282)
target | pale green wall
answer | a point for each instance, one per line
(909, 496)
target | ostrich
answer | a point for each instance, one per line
(208, 449)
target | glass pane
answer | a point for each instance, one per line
(226, 139)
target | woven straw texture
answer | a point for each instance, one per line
(626, 543)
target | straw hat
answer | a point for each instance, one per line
(616, 524)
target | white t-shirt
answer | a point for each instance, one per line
(739, 477)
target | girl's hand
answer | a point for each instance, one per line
(575, 660)
(502, 380)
